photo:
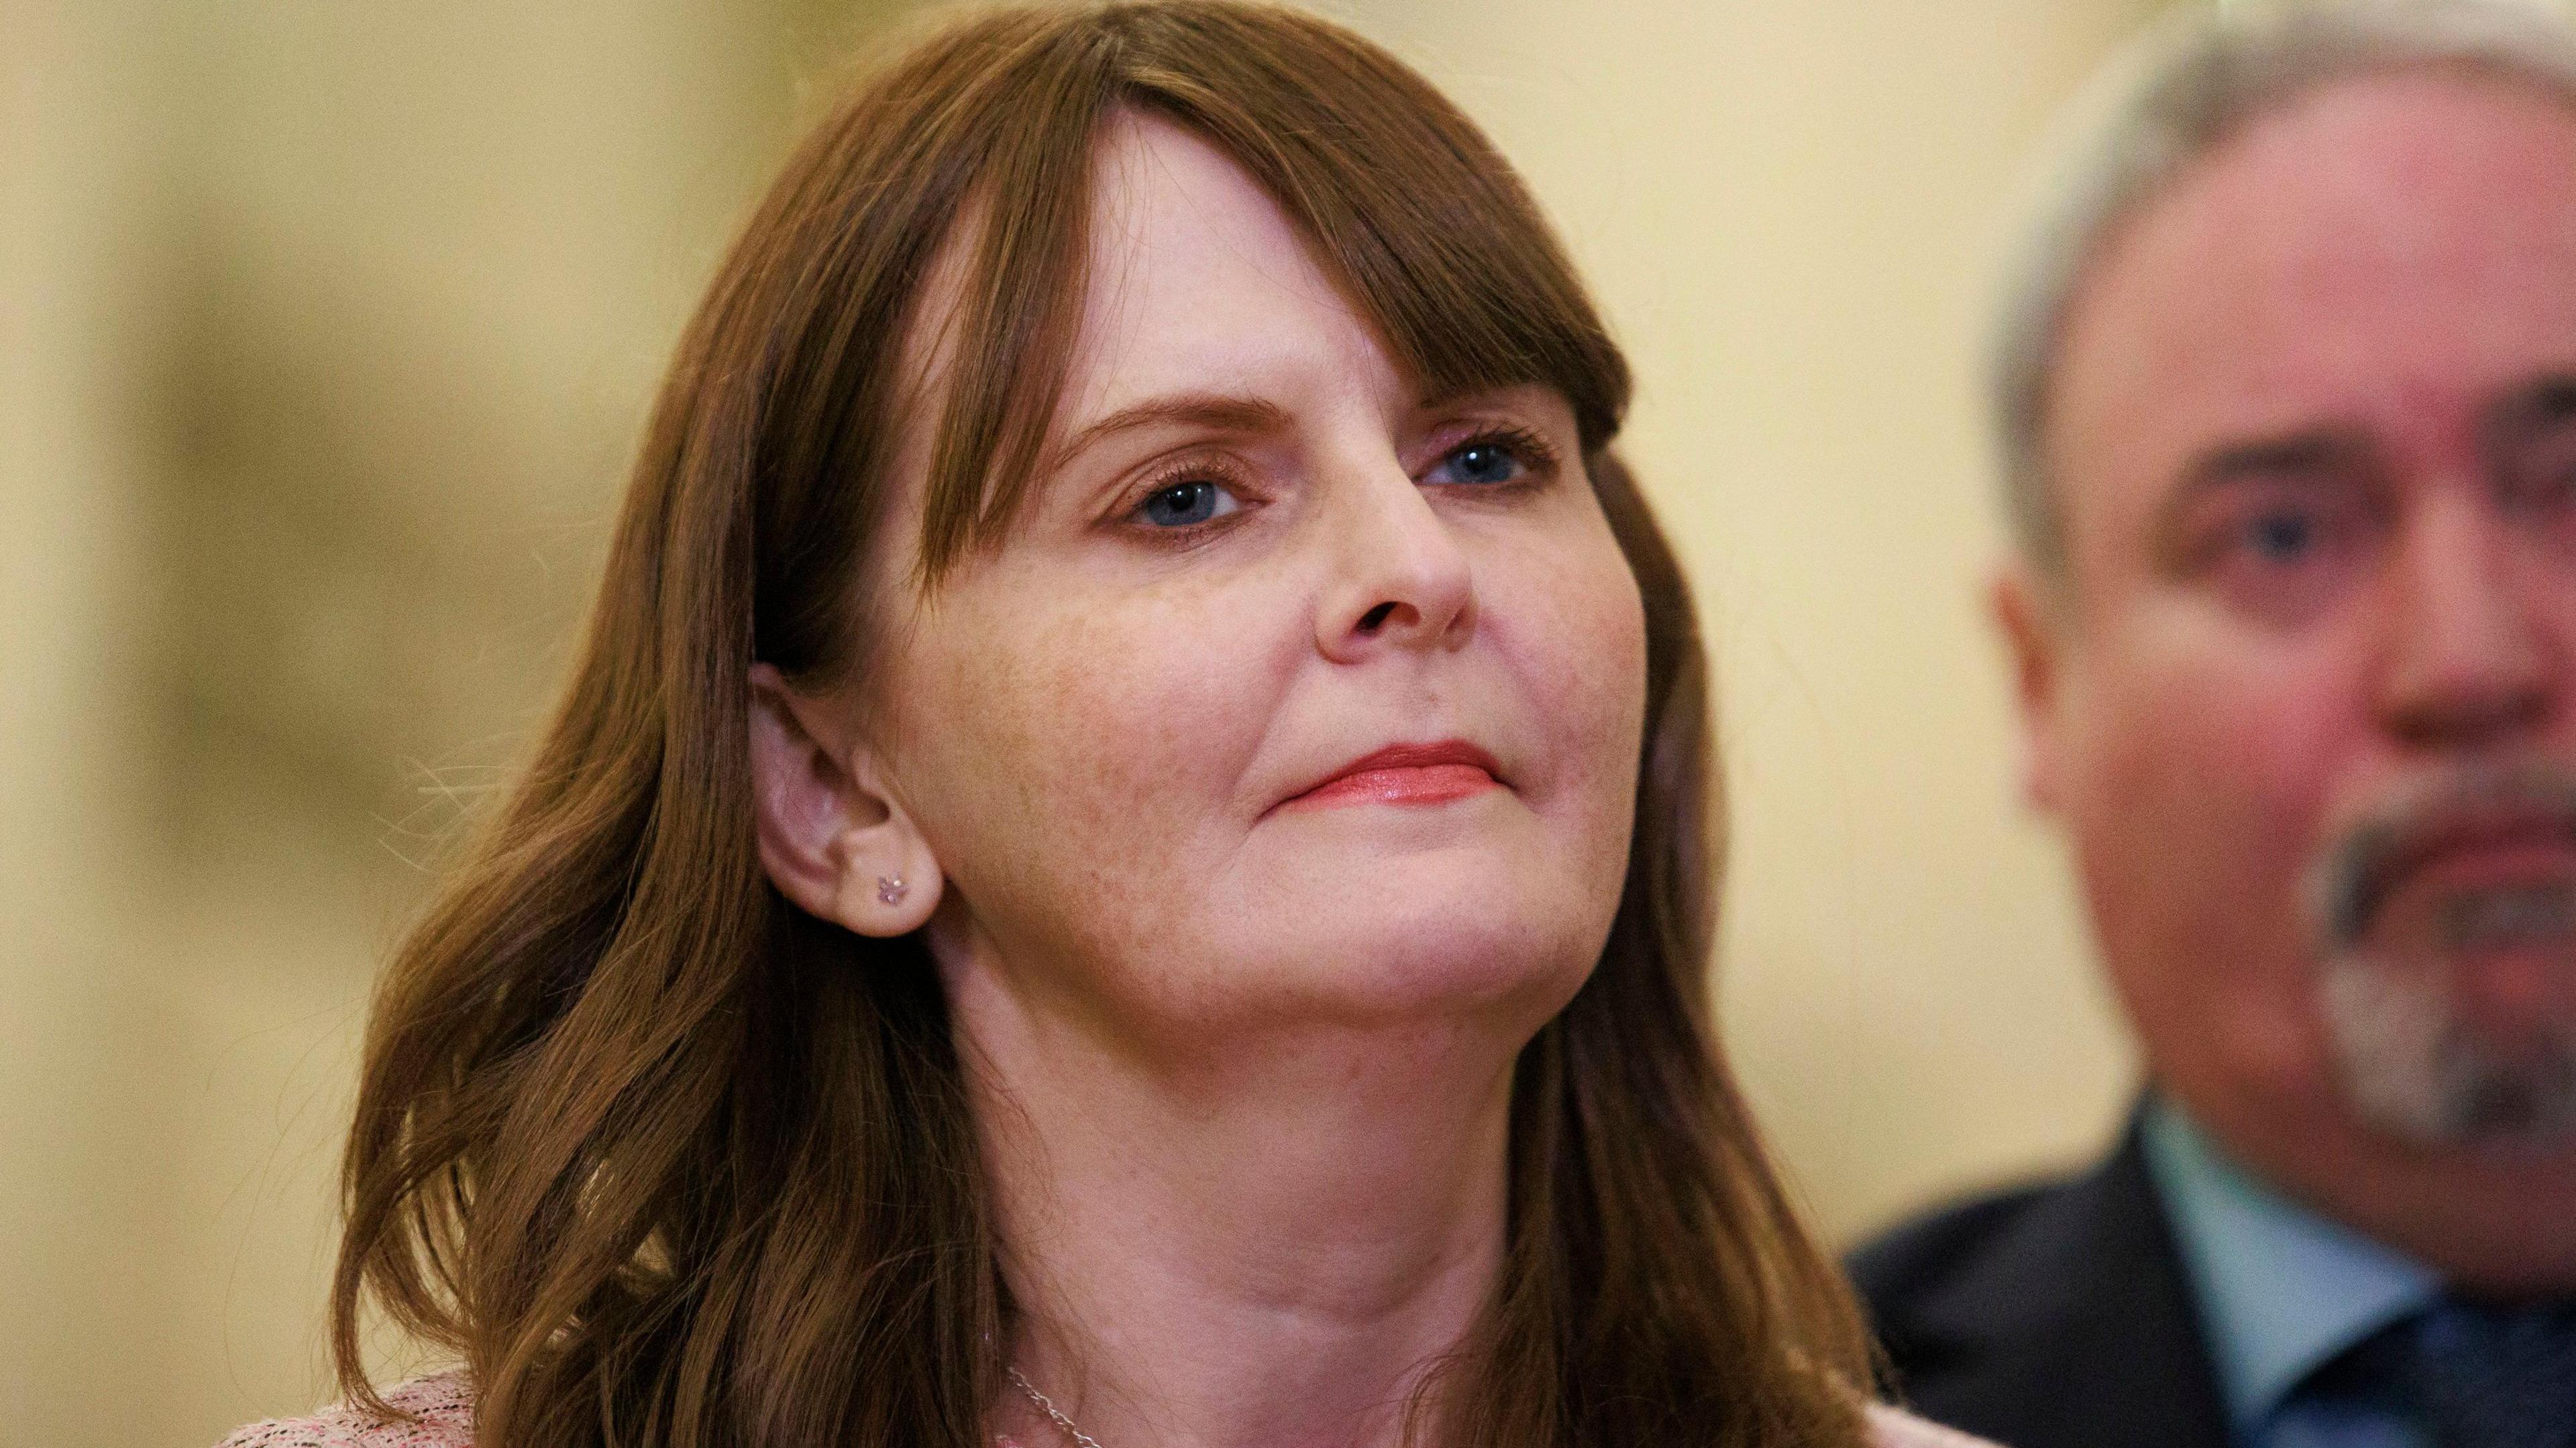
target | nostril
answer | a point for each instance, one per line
(1375, 618)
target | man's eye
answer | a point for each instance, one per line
(1181, 505)
(1484, 461)
(2286, 555)
(2282, 537)
(2550, 492)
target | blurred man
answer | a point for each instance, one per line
(2288, 395)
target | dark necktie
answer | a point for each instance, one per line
(2488, 1377)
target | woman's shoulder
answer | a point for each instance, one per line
(440, 1409)
(1889, 1428)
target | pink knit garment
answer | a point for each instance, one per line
(444, 1406)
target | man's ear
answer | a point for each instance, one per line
(2027, 611)
(833, 837)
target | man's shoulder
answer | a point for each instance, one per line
(1929, 1251)
(438, 1412)
(2050, 1314)
(2024, 1257)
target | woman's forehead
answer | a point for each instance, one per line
(1199, 282)
(1193, 283)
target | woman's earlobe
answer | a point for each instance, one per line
(881, 895)
(831, 837)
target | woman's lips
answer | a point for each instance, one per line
(1405, 774)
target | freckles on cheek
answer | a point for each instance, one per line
(1136, 697)
(1044, 705)
(1578, 647)
(1104, 731)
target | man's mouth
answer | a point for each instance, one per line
(2446, 930)
(2517, 917)
(2489, 867)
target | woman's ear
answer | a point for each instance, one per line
(833, 838)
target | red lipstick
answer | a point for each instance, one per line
(1418, 774)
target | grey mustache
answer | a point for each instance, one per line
(2493, 919)
(2348, 883)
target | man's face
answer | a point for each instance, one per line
(2302, 697)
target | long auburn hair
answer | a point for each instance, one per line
(671, 1164)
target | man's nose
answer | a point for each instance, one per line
(2470, 661)
(1401, 578)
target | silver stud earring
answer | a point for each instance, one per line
(890, 889)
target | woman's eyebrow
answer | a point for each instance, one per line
(1213, 410)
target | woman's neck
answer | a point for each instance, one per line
(1264, 1246)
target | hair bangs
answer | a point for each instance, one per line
(1406, 208)
(802, 1248)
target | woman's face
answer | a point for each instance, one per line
(1138, 736)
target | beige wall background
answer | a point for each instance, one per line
(325, 332)
(1793, 213)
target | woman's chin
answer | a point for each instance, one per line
(1420, 934)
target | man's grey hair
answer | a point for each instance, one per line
(2184, 90)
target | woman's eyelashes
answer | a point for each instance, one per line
(1188, 499)
(1494, 455)
(1187, 504)
(1195, 497)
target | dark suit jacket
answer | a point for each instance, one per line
(2055, 1316)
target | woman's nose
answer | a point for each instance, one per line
(1401, 579)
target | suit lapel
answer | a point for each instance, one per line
(2076, 1330)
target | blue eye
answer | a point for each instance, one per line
(2288, 550)
(1183, 505)
(1482, 462)
(2281, 537)
(2547, 493)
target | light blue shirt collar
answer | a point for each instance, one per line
(2281, 1289)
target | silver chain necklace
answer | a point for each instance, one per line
(1054, 1414)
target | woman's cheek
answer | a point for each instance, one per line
(1588, 669)
(1126, 708)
